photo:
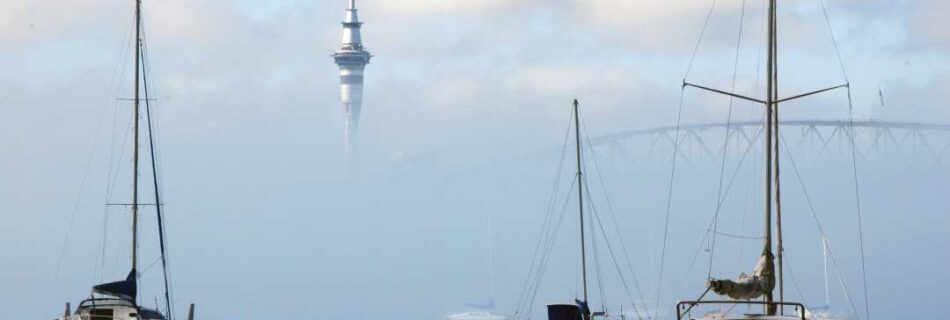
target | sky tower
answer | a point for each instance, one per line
(351, 58)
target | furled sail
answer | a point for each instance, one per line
(124, 289)
(746, 287)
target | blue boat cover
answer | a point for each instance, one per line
(124, 289)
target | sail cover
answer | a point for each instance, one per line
(747, 287)
(564, 312)
(124, 289)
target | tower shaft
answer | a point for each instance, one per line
(352, 58)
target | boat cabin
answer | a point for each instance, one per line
(112, 309)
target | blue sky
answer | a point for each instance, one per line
(264, 223)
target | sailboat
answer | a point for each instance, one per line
(484, 310)
(579, 310)
(118, 300)
(761, 284)
(823, 312)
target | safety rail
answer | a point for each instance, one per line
(687, 305)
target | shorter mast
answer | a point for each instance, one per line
(580, 206)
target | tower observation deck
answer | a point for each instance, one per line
(352, 57)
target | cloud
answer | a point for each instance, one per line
(561, 80)
(651, 24)
(930, 26)
(22, 20)
(454, 96)
(450, 60)
(416, 8)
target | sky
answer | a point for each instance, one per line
(466, 106)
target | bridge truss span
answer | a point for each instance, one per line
(922, 143)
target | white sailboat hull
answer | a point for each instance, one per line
(475, 316)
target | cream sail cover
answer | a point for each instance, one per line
(748, 287)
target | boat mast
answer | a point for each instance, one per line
(135, 151)
(770, 103)
(824, 259)
(580, 203)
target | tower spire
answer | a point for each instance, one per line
(352, 58)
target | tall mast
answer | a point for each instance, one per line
(580, 201)
(769, 105)
(135, 151)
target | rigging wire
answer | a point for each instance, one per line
(834, 39)
(755, 91)
(699, 41)
(613, 216)
(551, 203)
(613, 257)
(593, 243)
(85, 174)
(158, 203)
(110, 190)
(535, 274)
(791, 274)
(736, 236)
(549, 246)
(114, 165)
(157, 156)
(82, 184)
(725, 147)
(603, 232)
(150, 265)
(110, 185)
(669, 202)
(857, 202)
(821, 230)
(854, 163)
(676, 142)
(728, 189)
(102, 248)
(596, 257)
(118, 73)
(546, 224)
